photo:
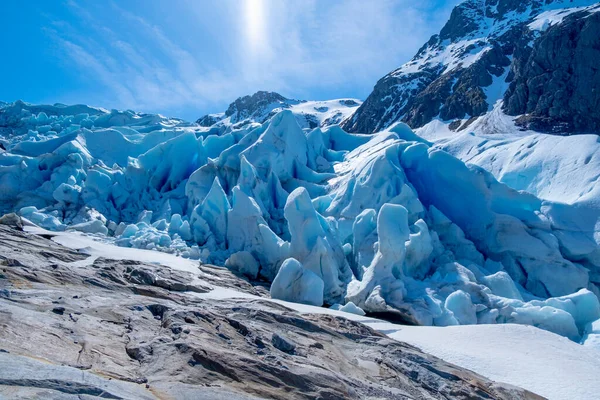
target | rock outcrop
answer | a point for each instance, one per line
(248, 106)
(73, 325)
(555, 83)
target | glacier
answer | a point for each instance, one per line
(388, 224)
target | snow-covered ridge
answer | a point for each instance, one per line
(485, 22)
(450, 77)
(387, 222)
(261, 106)
(562, 169)
(555, 16)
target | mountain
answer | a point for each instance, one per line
(262, 105)
(267, 252)
(534, 59)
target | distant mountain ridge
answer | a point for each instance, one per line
(263, 105)
(536, 56)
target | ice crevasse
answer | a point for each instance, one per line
(382, 223)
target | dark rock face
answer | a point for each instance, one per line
(417, 98)
(257, 107)
(72, 326)
(557, 82)
(468, 97)
(208, 120)
(249, 105)
(390, 100)
(461, 20)
(348, 103)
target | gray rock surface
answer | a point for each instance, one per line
(75, 326)
(12, 220)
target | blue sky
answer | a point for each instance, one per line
(185, 58)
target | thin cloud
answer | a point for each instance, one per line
(306, 48)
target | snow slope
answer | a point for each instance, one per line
(539, 361)
(561, 169)
(524, 356)
(557, 168)
(384, 221)
(556, 14)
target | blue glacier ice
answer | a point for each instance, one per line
(297, 284)
(381, 223)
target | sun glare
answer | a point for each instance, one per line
(255, 23)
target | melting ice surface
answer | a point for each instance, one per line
(381, 223)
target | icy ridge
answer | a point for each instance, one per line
(387, 222)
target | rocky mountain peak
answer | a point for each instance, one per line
(485, 48)
(471, 16)
(250, 104)
(256, 107)
(464, 19)
(262, 105)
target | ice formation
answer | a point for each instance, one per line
(297, 284)
(381, 223)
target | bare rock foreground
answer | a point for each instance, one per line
(75, 327)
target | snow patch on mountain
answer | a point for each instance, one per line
(555, 16)
(450, 55)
